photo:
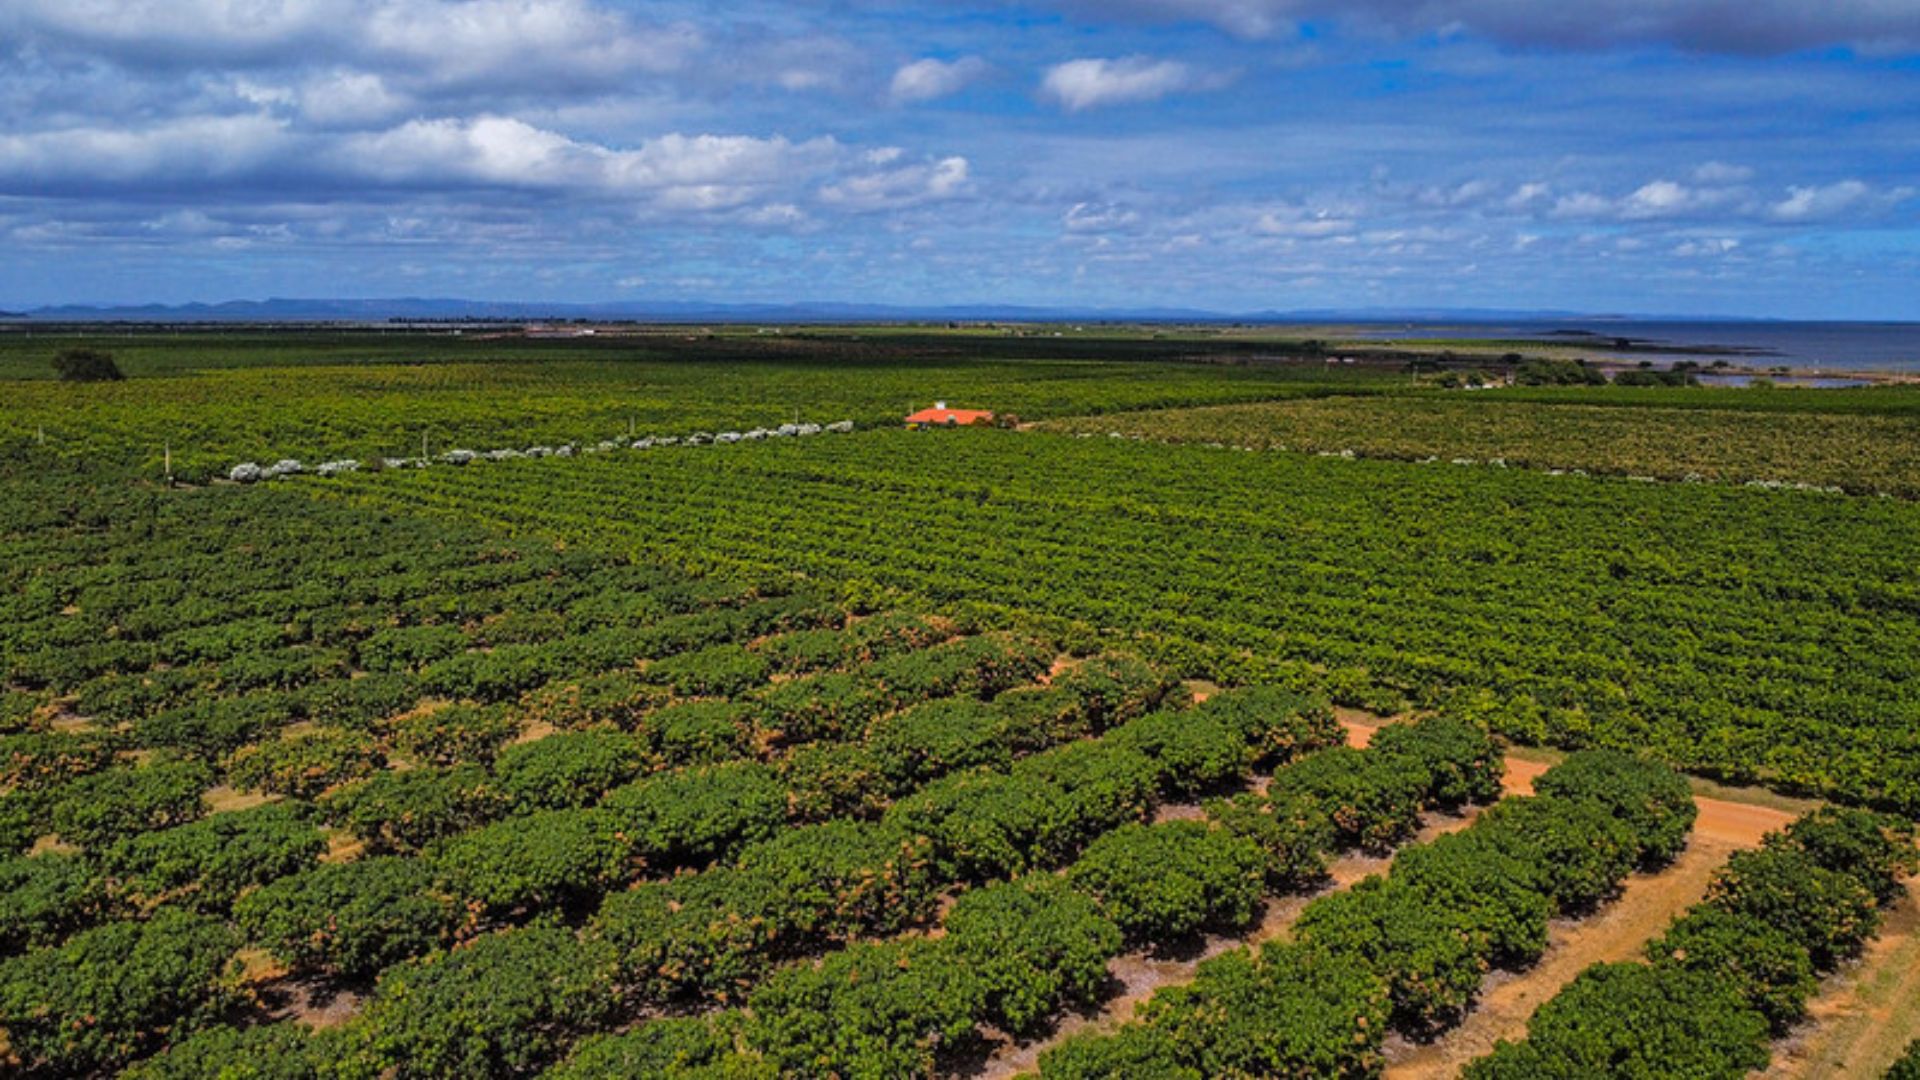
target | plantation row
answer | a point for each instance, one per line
(1859, 454)
(1732, 973)
(398, 698)
(1702, 623)
(1012, 954)
(1406, 951)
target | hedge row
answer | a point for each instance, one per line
(1017, 951)
(1733, 972)
(1407, 950)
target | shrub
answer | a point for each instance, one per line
(1500, 898)
(1135, 1052)
(1632, 1020)
(552, 857)
(1194, 751)
(716, 671)
(406, 811)
(1576, 852)
(1466, 765)
(710, 934)
(503, 1006)
(694, 816)
(655, 1048)
(1831, 914)
(1292, 1011)
(1113, 689)
(1293, 833)
(834, 780)
(938, 738)
(1096, 786)
(111, 992)
(453, 735)
(1374, 801)
(282, 1051)
(211, 729)
(698, 732)
(500, 675)
(47, 896)
(97, 810)
(1035, 945)
(360, 704)
(1772, 970)
(1172, 879)
(207, 864)
(350, 919)
(1908, 1067)
(868, 1011)
(1431, 957)
(619, 699)
(846, 877)
(569, 770)
(1875, 849)
(86, 365)
(817, 707)
(1038, 717)
(304, 765)
(40, 760)
(410, 648)
(1279, 724)
(1653, 799)
(983, 824)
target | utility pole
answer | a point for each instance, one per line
(168, 452)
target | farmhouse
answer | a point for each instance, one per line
(941, 416)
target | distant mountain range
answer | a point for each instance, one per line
(429, 310)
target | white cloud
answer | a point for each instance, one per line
(1843, 199)
(1752, 26)
(1299, 222)
(1099, 217)
(512, 43)
(200, 148)
(1086, 84)
(896, 189)
(930, 78)
(1707, 247)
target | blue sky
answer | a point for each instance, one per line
(1753, 157)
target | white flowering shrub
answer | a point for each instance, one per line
(246, 473)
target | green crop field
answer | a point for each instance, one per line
(944, 753)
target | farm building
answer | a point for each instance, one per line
(941, 416)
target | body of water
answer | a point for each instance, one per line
(1844, 346)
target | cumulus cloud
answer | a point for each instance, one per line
(1730, 26)
(499, 42)
(1086, 84)
(82, 160)
(930, 78)
(676, 172)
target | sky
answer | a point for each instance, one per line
(1740, 157)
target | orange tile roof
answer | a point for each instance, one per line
(951, 416)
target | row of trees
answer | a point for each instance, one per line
(1732, 973)
(1407, 950)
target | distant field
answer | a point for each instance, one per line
(1860, 453)
(213, 419)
